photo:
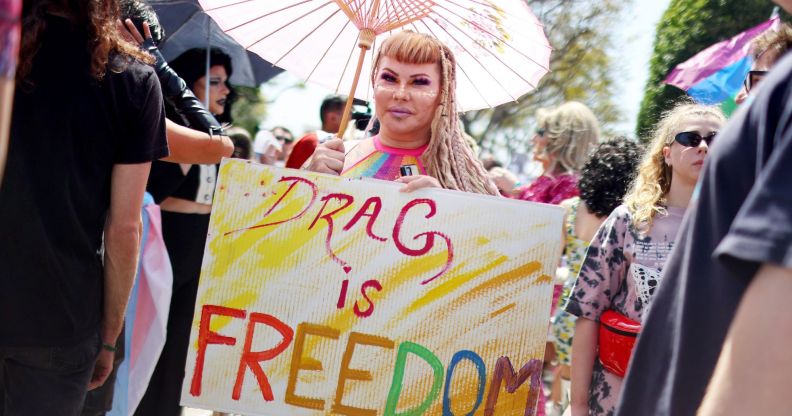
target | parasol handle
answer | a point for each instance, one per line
(366, 39)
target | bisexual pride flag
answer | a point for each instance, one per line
(715, 75)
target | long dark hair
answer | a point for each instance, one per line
(97, 16)
(191, 66)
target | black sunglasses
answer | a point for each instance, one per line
(693, 139)
(753, 79)
(285, 139)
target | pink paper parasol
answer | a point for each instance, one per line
(500, 47)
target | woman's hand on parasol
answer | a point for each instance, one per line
(328, 157)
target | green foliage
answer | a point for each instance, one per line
(248, 109)
(688, 27)
(580, 33)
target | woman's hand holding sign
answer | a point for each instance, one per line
(416, 182)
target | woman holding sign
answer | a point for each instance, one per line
(420, 141)
(622, 268)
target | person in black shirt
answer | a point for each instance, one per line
(87, 121)
(719, 319)
(203, 142)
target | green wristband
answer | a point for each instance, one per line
(108, 347)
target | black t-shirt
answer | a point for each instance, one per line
(167, 179)
(741, 219)
(67, 132)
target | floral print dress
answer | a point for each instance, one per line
(562, 322)
(621, 272)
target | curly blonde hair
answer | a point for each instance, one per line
(647, 195)
(97, 16)
(448, 157)
(572, 131)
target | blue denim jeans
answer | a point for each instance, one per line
(46, 380)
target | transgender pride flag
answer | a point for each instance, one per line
(716, 74)
(147, 315)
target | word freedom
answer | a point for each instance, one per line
(503, 372)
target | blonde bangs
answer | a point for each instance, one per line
(411, 48)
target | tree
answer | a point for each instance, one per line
(580, 70)
(248, 109)
(688, 27)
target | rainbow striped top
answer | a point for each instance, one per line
(387, 163)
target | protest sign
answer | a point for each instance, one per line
(327, 295)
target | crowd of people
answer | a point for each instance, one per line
(683, 244)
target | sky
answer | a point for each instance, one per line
(633, 55)
(298, 108)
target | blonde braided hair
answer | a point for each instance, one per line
(447, 157)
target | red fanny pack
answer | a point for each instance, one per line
(617, 335)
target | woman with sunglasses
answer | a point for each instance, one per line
(563, 140)
(621, 271)
(765, 51)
